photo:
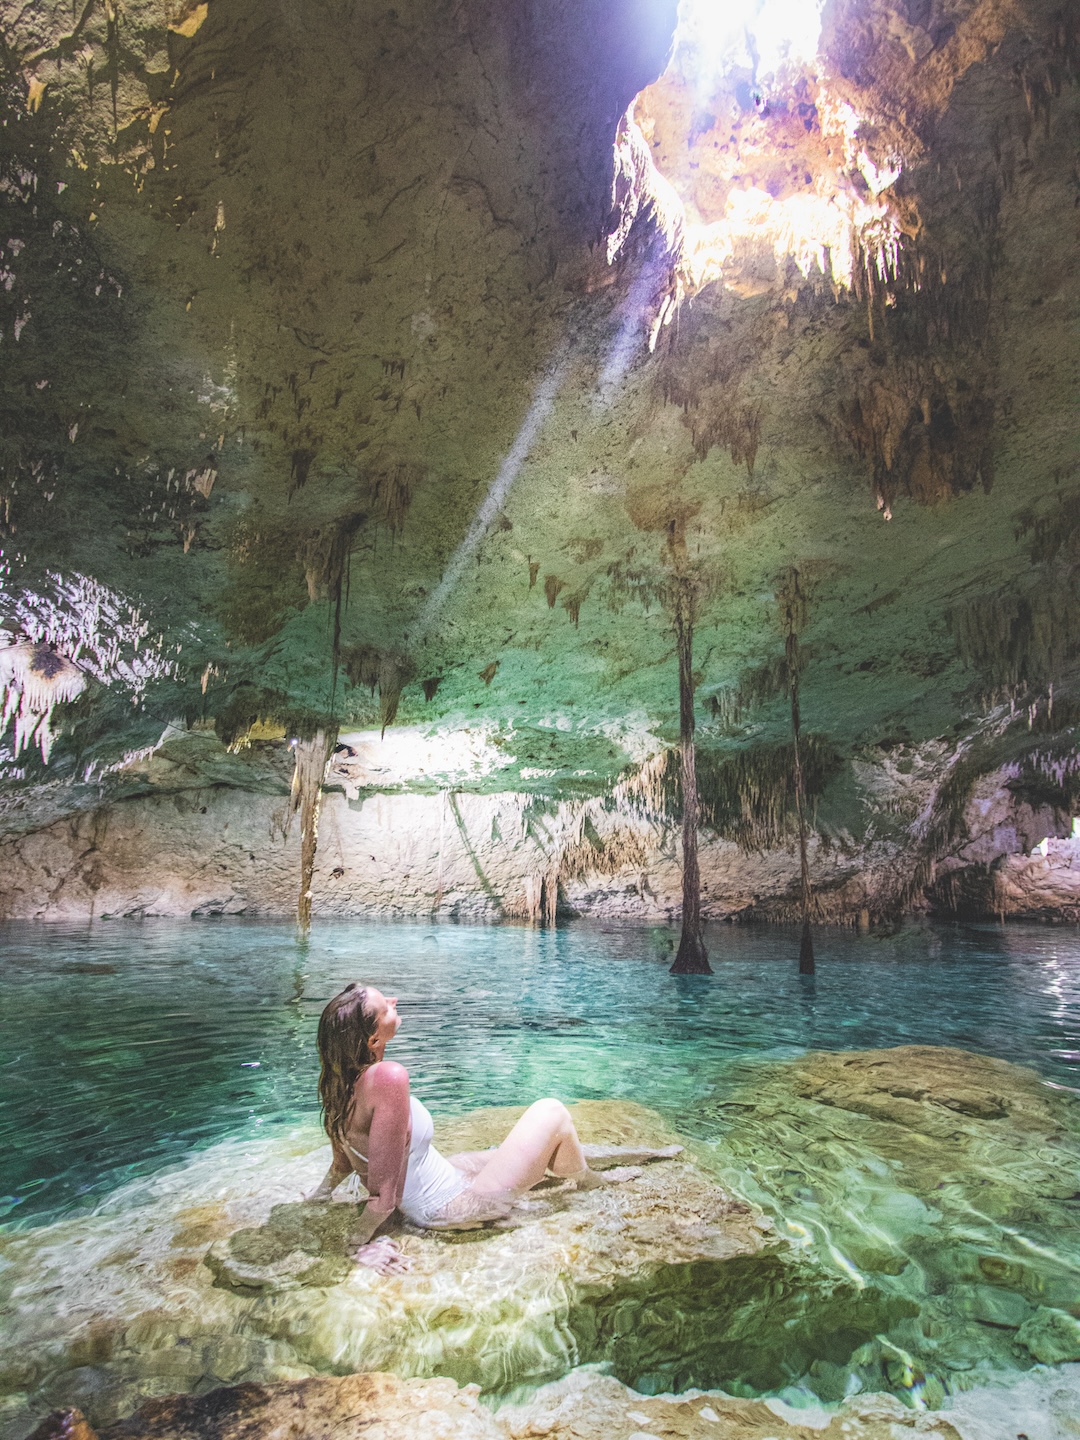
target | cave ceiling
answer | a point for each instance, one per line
(321, 362)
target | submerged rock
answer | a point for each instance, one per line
(590, 1406)
(376, 1407)
(584, 1406)
(220, 1276)
(300, 1244)
(924, 1205)
(514, 1302)
(1051, 1335)
(935, 1174)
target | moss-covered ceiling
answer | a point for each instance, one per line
(283, 287)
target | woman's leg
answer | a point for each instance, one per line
(470, 1162)
(543, 1139)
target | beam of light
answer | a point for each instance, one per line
(627, 340)
(538, 412)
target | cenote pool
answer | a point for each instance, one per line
(150, 1070)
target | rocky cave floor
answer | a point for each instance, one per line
(213, 1303)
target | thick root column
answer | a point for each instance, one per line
(312, 757)
(794, 608)
(692, 958)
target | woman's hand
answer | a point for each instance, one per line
(383, 1256)
(329, 1183)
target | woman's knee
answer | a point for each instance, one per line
(553, 1112)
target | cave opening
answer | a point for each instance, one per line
(501, 505)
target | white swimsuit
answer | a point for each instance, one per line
(431, 1182)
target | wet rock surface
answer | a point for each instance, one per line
(583, 1407)
(378, 1406)
(226, 1277)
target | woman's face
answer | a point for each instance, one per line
(385, 1007)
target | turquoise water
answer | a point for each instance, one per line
(125, 1046)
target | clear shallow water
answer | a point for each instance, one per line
(181, 1057)
(125, 1046)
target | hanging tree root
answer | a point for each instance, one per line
(312, 757)
(691, 958)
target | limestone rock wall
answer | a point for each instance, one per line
(223, 850)
(226, 851)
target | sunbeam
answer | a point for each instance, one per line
(518, 453)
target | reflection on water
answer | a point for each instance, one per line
(127, 1049)
(125, 1045)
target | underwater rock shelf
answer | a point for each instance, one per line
(938, 1183)
(179, 1298)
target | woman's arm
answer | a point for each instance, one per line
(386, 1092)
(340, 1168)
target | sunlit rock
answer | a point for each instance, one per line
(509, 1304)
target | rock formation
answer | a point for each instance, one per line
(587, 1407)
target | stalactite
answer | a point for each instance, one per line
(312, 758)
(644, 790)
(387, 671)
(534, 894)
(550, 892)
(395, 672)
(1020, 638)
(392, 494)
(326, 554)
(745, 797)
(692, 958)
(623, 849)
(34, 679)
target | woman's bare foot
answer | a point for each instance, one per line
(593, 1179)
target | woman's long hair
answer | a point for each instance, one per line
(346, 1028)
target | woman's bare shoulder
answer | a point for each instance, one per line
(384, 1078)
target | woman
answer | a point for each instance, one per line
(383, 1133)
